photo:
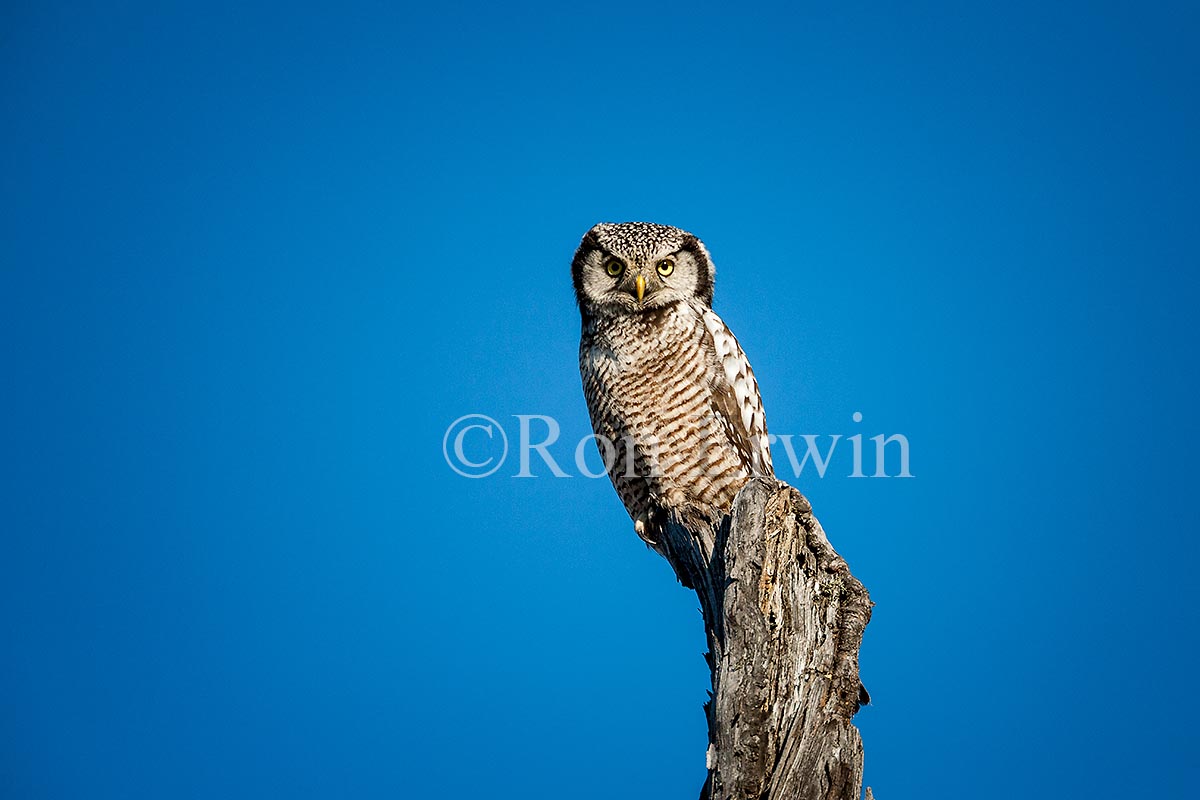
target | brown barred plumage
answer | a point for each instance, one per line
(665, 380)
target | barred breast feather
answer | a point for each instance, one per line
(672, 391)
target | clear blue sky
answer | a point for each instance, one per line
(256, 258)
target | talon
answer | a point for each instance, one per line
(641, 526)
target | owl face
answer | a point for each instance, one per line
(630, 267)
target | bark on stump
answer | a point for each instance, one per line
(784, 619)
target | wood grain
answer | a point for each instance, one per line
(785, 618)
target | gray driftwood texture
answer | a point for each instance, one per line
(784, 618)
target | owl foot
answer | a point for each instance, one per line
(641, 527)
(645, 530)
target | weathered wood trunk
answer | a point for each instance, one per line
(785, 619)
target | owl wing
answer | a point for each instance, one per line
(736, 401)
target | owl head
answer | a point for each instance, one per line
(630, 267)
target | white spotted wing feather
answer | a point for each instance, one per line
(736, 400)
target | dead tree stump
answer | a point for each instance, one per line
(785, 619)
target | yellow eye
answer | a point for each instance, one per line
(614, 267)
(666, 267)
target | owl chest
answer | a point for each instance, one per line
(651, 371)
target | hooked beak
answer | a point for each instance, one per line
(640, 284)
